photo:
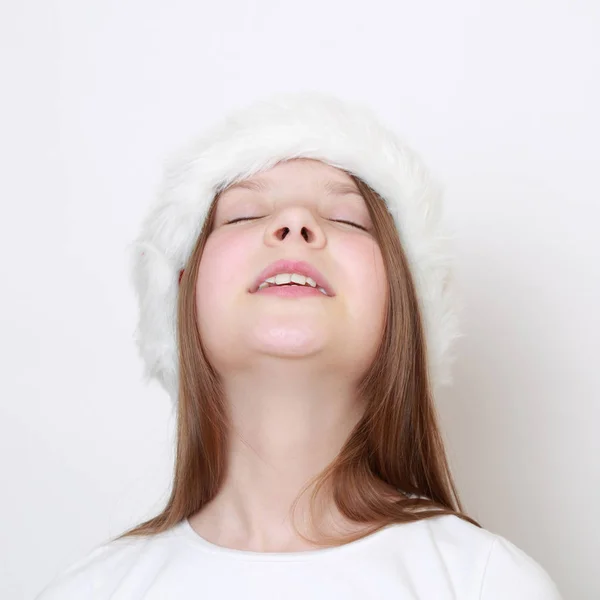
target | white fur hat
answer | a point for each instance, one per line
(283, 126)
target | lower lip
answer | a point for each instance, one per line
(292, 291)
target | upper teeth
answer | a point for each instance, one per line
(284, 278)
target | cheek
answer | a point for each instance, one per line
(222, 271)
(364, 271)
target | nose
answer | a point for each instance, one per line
(296, 224)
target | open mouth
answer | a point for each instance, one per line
(286, 273)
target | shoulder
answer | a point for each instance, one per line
(510, 572)
(97, 574)
(500, 569)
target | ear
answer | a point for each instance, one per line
(180, 275)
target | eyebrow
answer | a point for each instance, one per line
(332, 188)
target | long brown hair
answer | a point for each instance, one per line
(393, 466)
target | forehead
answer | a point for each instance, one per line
(300, 174)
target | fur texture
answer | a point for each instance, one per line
(282, 126)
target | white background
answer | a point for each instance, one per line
(501, 99)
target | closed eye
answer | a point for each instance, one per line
(350, 223)
(335, 220)
(240, 219)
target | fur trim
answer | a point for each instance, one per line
(288, 125)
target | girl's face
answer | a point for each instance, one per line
(294, 211)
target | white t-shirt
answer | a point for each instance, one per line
(440, 558)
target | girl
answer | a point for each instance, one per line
(296, 303)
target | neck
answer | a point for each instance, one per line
(285, 429)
